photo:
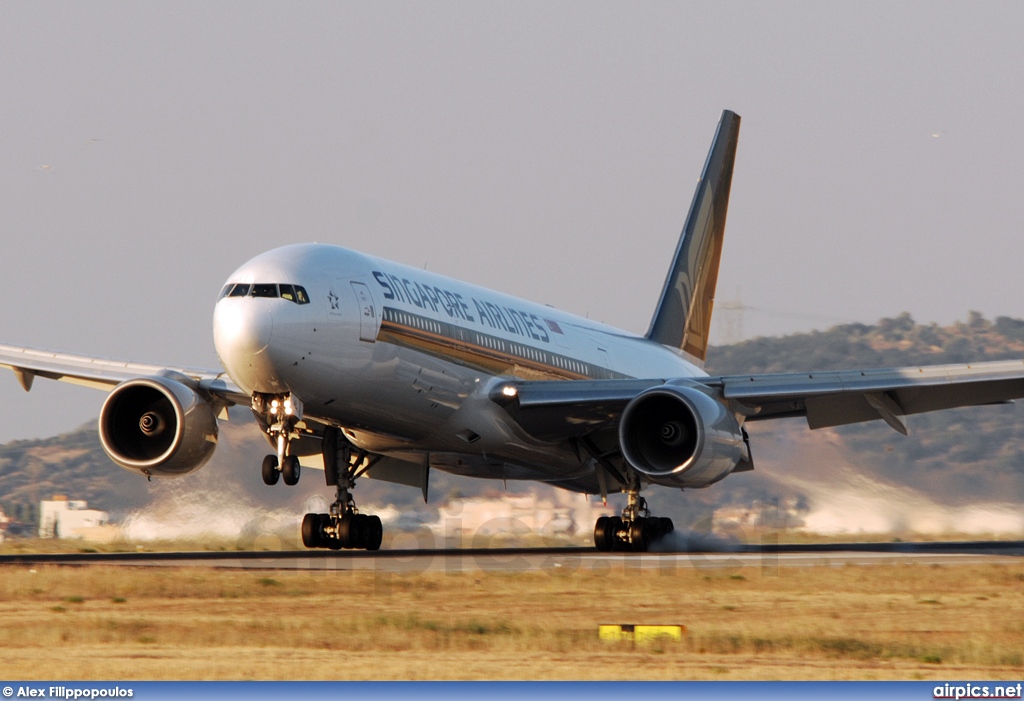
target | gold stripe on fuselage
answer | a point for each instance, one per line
(489, 360)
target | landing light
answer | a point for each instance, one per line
(509, 391)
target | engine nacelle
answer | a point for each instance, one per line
(157, 426)
(680, 436)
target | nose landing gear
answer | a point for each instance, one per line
(280, 415)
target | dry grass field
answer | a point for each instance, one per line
(849, 622)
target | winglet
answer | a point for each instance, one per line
(682, 318)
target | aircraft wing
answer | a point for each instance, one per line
(105, 374)
(559, 410)
(853, 396)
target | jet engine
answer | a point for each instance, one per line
(157, 426)
(680, 436)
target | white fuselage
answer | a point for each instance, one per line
(404, 359)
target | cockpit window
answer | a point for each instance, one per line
(292, 293)
(264, 290)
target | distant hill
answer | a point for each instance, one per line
(888, 343)
(950, 459)
(73, 464)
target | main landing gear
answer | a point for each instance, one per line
(635, 530)
(281, 415)
(344, 526)
(350, 530)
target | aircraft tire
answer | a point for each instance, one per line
(666, 527)
(640, 532)
(270, 472)
(312, 536)
(356, 528)
(374, 533)
(603, 535)
(345, 532)
(613, 527)
(291, 470)
(327, 541)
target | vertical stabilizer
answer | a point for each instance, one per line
(682, 318)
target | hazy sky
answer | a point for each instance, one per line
(548, 150)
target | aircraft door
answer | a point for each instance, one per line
(367, 312)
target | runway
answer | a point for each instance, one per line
(765, 557)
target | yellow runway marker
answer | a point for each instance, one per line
(639, 633)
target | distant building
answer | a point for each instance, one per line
(4, 522)
(60, 518)
(519, 515)
(760, 515)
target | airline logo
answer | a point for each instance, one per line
(482, 312)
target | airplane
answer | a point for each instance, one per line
(388, 371)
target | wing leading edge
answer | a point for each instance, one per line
(105, 373)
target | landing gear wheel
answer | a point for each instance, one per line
(365, 532)
(328, 541)
(312, 536)
(640, 534)
(270, 472)
(374, 533)
(355, 531)
(666, 527)
(345, 532)
(604, 538)
(290, 470)
(615, 525)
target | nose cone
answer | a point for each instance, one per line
(242, 329)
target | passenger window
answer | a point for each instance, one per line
(239, 291)
(264, 290)
(287, 292)
(224, 292)
(300, 295)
